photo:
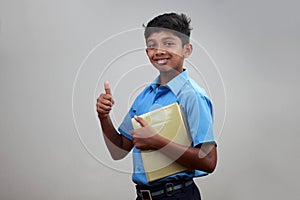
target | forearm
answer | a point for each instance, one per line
(204, 158)
(113, 140)
(109, 131)
(118, 145)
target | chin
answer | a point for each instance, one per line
(164, 68)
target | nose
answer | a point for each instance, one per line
(159, 51)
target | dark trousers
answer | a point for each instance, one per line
(190, 192)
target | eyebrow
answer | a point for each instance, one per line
(169, 38)
(165, 38)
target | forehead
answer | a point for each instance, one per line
(162, 35)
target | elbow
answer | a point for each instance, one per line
(115, 157)
(118, 155)
(115, 151)
(210, 160)
(210, 168)
(211, 164)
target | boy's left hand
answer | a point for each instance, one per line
(144, 138)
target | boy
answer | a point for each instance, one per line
(167, 40)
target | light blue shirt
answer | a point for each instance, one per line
(196, 106)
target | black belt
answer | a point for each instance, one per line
(147, 192)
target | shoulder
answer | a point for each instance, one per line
(191, 91)
(192, 97)
(199, 90)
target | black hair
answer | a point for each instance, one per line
(178, 24)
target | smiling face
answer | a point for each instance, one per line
(166, 52)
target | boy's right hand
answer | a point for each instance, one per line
(105, 102)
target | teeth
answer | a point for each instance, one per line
(162, 61)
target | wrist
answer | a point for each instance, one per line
(159, 142)
(103, 117)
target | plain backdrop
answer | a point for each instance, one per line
(55, 56)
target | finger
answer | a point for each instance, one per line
(141, 121)
(107, 88)
(108, 91)
(132, 132)
(108, 100)
(105, 101)
(102, 112)
(104, 107)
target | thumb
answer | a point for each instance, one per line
(107, 88)
(141, 121)
(108, 91)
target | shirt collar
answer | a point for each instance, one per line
(154, 84)
(175, 84)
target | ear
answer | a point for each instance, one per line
(187, 51)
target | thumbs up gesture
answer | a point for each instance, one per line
(104, 102)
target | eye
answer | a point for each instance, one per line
(151, 45)
(169, 43)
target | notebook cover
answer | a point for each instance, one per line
(169, 122)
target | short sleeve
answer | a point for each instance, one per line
(199, 114)
(126, 126)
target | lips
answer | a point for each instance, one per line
(161, 61)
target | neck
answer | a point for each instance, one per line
(165, 77)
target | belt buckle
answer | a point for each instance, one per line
(168, 191)
(146, 195)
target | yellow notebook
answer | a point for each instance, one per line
(169, 122)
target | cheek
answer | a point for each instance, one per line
(149, 53)
(176, 52)
(177, 55)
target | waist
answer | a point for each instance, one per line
(162, 189)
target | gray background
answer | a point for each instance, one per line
(46, 87)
